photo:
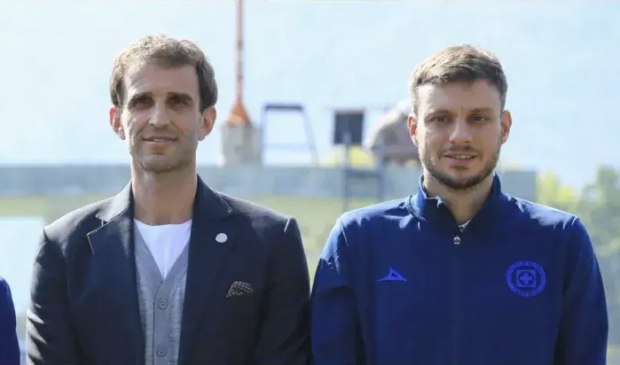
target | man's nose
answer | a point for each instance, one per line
(461, 132)
(159, 117)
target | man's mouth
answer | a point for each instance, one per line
(158, 139)
(460, 157)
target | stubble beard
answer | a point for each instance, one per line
(459, 184)
(164, 164)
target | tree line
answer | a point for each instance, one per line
(598, 207)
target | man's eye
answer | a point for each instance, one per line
(440, 119)
(139, 102)
(180, 101)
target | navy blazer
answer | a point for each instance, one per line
(9, 346)
(84, 294)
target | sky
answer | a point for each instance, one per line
(561, 60)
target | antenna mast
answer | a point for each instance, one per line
(238, 114)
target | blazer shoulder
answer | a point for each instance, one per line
(79, 221)
(4, 286)
(5, 292)
(255, 212)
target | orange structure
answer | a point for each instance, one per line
(238, 114)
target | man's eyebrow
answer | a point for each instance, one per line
(180, 95)
(139, 95)
(439, 111)
(483, 110)
(446, 111)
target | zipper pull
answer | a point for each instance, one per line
(457, 240)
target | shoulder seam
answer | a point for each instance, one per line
(344, 235)
(337, 252)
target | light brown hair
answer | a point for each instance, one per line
(165, 52)
(457, 64)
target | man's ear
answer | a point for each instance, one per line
(506, 124)
(208, 121)
(412, 123)
(115, 122)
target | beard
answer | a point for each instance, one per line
(179, 158)
(456, 183)
(162, 164)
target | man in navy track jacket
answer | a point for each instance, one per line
(459, 273)
(9, 346)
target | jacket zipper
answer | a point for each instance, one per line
(456, 327)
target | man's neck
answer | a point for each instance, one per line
(463, 204)
(166, 198)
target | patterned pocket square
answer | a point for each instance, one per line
(239, 288)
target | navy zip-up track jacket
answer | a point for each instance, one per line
(399, 283)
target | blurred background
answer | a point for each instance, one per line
(319, 126)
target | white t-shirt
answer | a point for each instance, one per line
(166, 242)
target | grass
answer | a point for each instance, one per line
(613, 357)
(315, 215)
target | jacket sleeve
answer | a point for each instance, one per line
(335, 335)
(9, 345)
(285, 330)
(50, 338)
(584, 327)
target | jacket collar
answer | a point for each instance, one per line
(208, 203)
(435, 210)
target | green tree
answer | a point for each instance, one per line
(552, 193)
(600, 212)
(598, 206)
(599, 209)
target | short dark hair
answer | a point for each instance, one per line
(459, 63)
(166, 52)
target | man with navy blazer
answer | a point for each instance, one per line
(9, 345)
(169, 271)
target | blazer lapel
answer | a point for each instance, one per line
(212, 240)
(114, 264)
